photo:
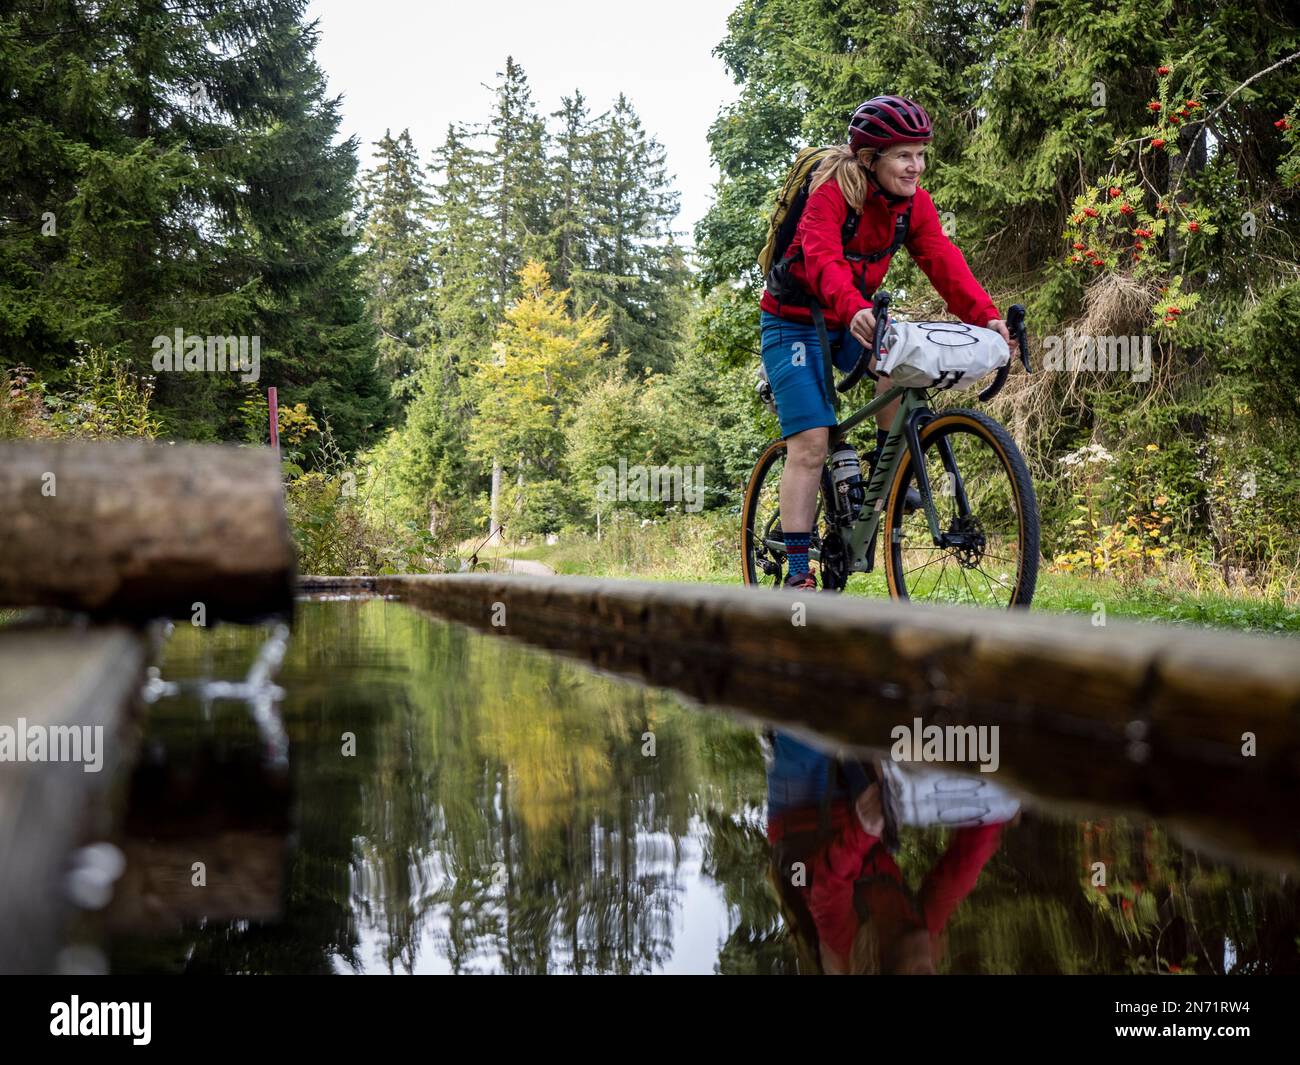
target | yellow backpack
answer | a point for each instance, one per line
(789, 208)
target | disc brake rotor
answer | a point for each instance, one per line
(970, 550)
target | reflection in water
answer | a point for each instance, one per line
(834, 828)
(456, 802)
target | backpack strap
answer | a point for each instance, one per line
(901, 226)
(850, 228)
(847, 232)
(828, 374)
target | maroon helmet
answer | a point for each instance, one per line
(886, 120)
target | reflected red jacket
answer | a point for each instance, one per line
(851, 855)
(831, 278)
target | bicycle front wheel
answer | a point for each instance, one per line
(988, 518)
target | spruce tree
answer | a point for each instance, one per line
(108, 205)
(636, 270)
(571, 180)
(425, 464)
(515, 191)
(398, 261)
(300, 224)
(183, 155)
(462, 229)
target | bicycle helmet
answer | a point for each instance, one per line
(886, 120)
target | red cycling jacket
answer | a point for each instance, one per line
(852, 855)
(825, 272)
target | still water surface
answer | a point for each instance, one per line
(457, 802)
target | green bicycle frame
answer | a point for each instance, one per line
(912, 414)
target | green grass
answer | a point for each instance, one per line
(705, 548)
(1154, 600)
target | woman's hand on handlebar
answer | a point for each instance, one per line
(863, 327)
(870, 811)
(1000, 327)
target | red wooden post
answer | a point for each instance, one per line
(274, 404)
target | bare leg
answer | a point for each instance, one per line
(805, 456)
(885, 417)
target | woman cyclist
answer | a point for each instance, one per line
(876, 174)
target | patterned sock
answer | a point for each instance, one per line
(796, 551)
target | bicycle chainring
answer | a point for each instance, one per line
(770, 564)
(834, 562)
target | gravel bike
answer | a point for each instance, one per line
(975, 537)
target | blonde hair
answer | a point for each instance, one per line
(908, 950)
(849, 169)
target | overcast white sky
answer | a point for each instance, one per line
(406, 64)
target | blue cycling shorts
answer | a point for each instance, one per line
(792, 356)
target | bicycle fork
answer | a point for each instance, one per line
(912, 426)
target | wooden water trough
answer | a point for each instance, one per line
(130, 529)
(1197, 727)
(107, 532)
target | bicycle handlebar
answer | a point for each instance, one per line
(880, 309)
(1016, 327)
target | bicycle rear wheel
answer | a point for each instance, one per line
(988, 518)
(762, 544)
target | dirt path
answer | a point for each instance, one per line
(524, 565)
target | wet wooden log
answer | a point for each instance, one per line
(243, 880)
(132, 529)
(199, 802)
(64, 695)
(1200, 728)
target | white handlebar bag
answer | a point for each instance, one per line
(920, 795)
(940, 354)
